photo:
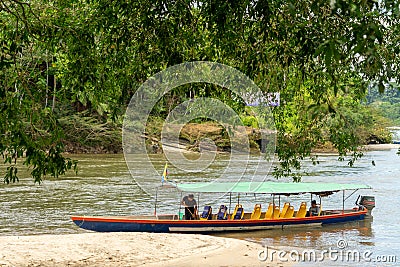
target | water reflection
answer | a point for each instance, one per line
(311, 237)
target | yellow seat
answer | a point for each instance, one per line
(256, 214)
(289, 213)
(236, 211)
(284, 209)
(302, 210)
(275, 215)
(320, 209)
(270, 210)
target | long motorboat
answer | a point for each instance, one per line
(272, 217)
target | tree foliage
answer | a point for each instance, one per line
(96, 53)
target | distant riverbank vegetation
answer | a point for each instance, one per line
(387, 103)
(87, 132)
(68, 71)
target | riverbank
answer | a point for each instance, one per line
(129, 249)
(88, 135)
(378, 147)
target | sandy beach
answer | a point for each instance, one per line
(128, 249)
(381, 147)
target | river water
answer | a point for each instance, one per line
(104, 186)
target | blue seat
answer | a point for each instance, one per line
(239, 214)
(222, 213)
(207, 213)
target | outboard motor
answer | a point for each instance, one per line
(366, 201)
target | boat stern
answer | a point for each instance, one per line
(368, 202)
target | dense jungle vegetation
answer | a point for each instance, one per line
(69, 68)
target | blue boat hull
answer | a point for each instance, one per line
(129, 224)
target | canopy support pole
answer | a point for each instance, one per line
(279, 201)
(198, 205)
(343, 203)
(320, 206)
(351, 194)
(238, 197)
(180, 206)
(230, 202)
(155, 202)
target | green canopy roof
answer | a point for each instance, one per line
(268, 187)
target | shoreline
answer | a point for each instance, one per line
(374, 147)
(379, 147)
(129, 249)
